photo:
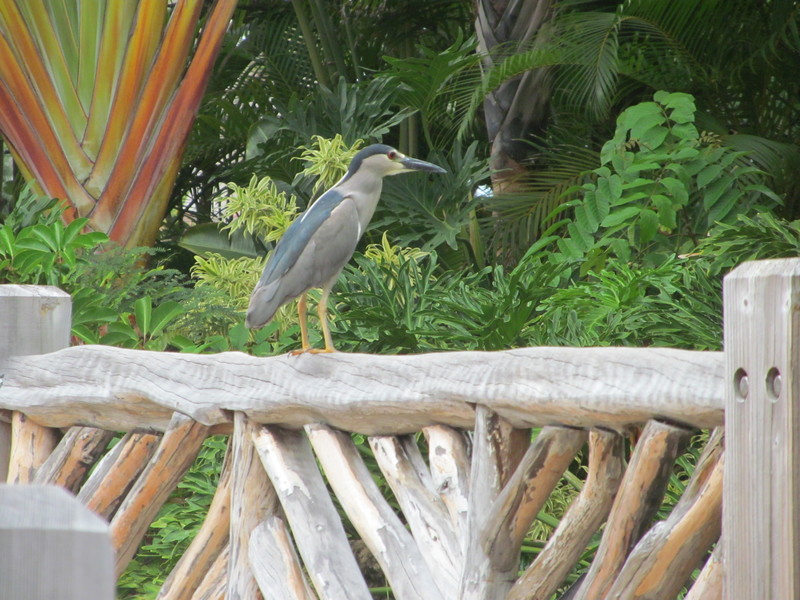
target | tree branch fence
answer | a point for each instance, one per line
(274, 528)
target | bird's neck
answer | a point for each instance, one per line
(365, 189)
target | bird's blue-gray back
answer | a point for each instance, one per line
(297, 236)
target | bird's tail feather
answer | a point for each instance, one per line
(264, 303)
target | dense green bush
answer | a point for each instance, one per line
(636, 259)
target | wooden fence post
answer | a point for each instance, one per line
(53, 546)
(34, 319)
(761, 491)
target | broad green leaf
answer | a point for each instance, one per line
(239, 336)
(143, 312)
(73, 229)
(51, 236)
(715, 191)
(208, 238)
(653, 138)
(31, 243)
(676, 189)
(163, 314)
(90, 240)
(707, 175)
(6, 241)
(648, 225)
(666, 211)
(621, 215)
(723, 206)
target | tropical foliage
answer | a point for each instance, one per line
(659, 151)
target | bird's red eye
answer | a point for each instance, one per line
(391, 154)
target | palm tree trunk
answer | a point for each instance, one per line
(518, 109)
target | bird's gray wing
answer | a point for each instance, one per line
(297, 236)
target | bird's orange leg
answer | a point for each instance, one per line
(323, 321)
(302, 315)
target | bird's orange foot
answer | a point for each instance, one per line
(322, 350)
(310, 350)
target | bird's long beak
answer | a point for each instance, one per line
(420, 165)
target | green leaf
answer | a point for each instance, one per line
(653, 138)
(143, 312)
(30, 243)
(677, 190)
(73, 229)
(586, 217)
(163, 314)
(51, 236)
(715, 191)
(707, 175)
(209, 238)
(648, 225)
(6, 241)
(666, 211)
(90, 240)
(723, 207)
(239, 336)
(621, 215)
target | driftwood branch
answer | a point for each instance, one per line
(73, 457)
(215, 581)
(637, 502)
(318, 530)
(584, 516)
(708, 585)
(405, 471)
(31, 445)
(526, 492)
(173, 457)
(253, 500)
(448, 456)
(379, 527)
(497, 451)
(275, 563)
(208, 543)
(116, 473)
(665, 557)
(120, 389)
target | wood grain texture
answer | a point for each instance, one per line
(215, 580)
(405, 471)
(316, 526)
(526, 492)
(664, 559)
(275, 563)
(379, 527)
(75, 454)
(34, 319)
(639, 497)
(117, 471)
(253, 500)
(120, 389)
(708, 585)
(761, 506)
(498, 449)
(212, 538)
(583, 518)
(5, 448)
(448, 457)
(31, 445)
(173, 457)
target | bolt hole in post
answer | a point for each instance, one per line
(774, 384)
(741, 384)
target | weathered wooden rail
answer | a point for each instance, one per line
(465, 508)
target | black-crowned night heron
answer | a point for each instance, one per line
(318, 244)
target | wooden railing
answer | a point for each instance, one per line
(466, 507)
